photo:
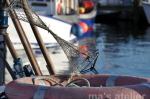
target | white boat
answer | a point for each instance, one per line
(62, 29)
(59, 24)
(61, 20)
(146, 7)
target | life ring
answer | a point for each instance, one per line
(102, 87)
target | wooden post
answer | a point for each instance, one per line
(49, 65)
(25, 43)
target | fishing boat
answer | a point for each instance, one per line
(88, 13)
(146, 7)
(108, 14)
(60, 28)
(63, 17)
(111, 15)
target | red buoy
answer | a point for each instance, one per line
(84, 26)
(86, 49)
(88, 5)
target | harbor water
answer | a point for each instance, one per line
(124, 49)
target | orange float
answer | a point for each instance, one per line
(84, 26)
(81, 10)
(102, 87)
(59, 8)
(85, 48)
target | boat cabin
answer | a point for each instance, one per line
(54, 7)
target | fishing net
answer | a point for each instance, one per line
(80, 60)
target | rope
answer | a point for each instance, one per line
(70, 84)
(72, 74)
(45, 78)
(87, 82)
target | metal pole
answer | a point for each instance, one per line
(3, 28)
(25, 43)
(5, 64)
(50, 66)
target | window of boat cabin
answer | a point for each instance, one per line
(39, 4)
(47, 6)
(35, 0)
(40, 0)
(50, 0)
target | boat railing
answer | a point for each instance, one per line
(71, 11)
(41, 12)
(42, 0)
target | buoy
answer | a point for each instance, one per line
(102, 86)
(85, 48)
(81, 10)
(84, 26)
(59, 8)
(76, 30)
(88, 5)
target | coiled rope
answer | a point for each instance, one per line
(70, 84)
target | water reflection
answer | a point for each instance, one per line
(88, 41)
(57, 55)
(124, 49)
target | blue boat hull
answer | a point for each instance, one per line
(89, 22)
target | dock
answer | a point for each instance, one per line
(132, 12)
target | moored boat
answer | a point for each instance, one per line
(60, 28)
(146, 7)
(60, 20)
(89, 15)
(108, 15)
